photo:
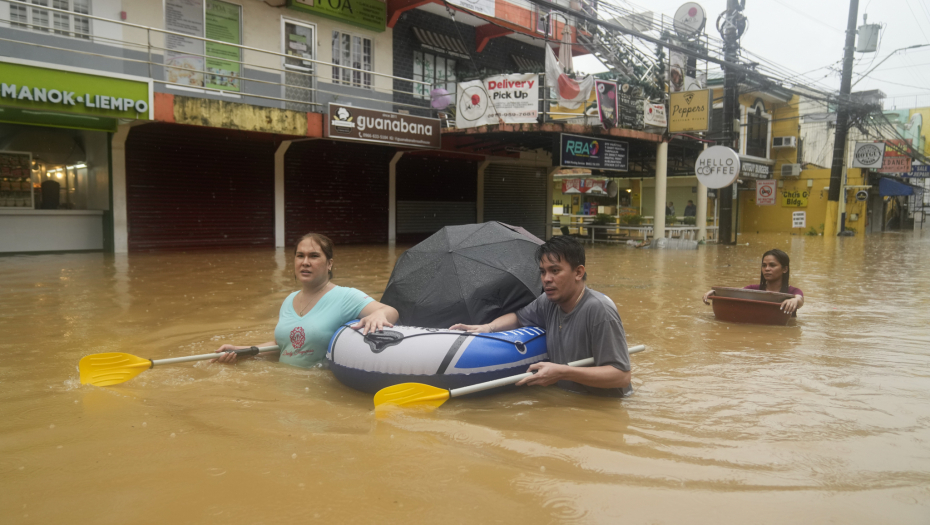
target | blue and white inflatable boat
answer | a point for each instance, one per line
(441, 358)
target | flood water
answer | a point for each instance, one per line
(826, 420)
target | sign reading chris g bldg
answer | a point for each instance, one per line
(68, 90)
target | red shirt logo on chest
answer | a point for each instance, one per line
(297, 337)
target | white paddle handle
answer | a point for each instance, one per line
(213, 355)
(513, 379)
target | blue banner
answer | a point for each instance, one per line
(919, 171)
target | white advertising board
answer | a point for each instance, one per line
(717, 167)
(511, 98)
(765, 192)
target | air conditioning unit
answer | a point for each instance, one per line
(790, 170)
(785, 142)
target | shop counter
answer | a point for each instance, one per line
(27, 230)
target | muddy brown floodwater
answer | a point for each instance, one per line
(826, 420)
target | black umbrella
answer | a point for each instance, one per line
(468, 274)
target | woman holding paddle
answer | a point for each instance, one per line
(310, 316)
(774, 278)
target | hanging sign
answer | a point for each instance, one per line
(896, 160)
(607, 107)
(689, 111)
(919, 171)
(631, 107)
(794, 198)
(485, 7)
(367, 14)
(578, 151)
(799, 219)
(751, 169)
(765, 192)
(717, 167)
(370, 125)
(511, 98)
(689, 19)
(862, 195)
(868, 155)
(586, 186)
(654, 115)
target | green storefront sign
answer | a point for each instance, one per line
(368, 14)
(27, 89)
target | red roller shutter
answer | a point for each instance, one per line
(193, 187)
(338, 189)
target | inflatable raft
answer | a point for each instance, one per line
(441, 358)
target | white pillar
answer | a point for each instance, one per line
(479, 202)
(279, 193)
(701, 214)
(118, 171)
(658, 229)
(392, 197)
(550, 180)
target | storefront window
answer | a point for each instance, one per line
(355, 52)
(757, 135)
(437, 70)
(51, 168)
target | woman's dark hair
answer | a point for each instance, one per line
(324, 242)
(783, 260)
(562, 246)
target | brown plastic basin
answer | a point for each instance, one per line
(752, 295)
(735, 310)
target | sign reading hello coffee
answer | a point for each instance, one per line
(383, 127)
(717, 167)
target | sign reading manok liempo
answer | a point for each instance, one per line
(717, 167)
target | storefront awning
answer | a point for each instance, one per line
(525, 65)
(891, 188)
(442, 43)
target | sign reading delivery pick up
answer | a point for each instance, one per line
(68, 90)
(717, 167)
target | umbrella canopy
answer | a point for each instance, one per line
(468, 274)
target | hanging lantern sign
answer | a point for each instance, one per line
(717, 167)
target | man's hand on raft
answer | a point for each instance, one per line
(477, 328)
(546, 374)
(375, 322)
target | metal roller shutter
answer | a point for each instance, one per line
(516, 195)
(195, 187)
(433, 192)
(338, 189)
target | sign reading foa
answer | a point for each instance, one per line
(369, 125)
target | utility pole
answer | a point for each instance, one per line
(832, 227)
(730, 31)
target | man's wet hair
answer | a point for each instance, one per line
(562, 247)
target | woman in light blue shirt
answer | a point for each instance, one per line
(310, 316)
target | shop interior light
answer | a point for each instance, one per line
(629, 190)
(77, 166)
(59, 175)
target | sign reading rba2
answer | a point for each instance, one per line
(68, 90)
(370, 125)
(578, 151)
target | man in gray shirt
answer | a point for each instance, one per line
(579, 323)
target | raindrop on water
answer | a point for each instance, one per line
(294, 456)
(52, 425)
(172, 434)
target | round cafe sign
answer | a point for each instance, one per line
(717, 167)
(689, 19)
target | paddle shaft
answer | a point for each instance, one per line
(254, 350)
(513, 379)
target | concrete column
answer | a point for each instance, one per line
(550, 180)
(279, 193)
(479, 202)
(118, 182)
(658, 229)
(701, 219)
(392, 197)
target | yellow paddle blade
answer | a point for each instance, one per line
(411, 394)
(111, 368)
